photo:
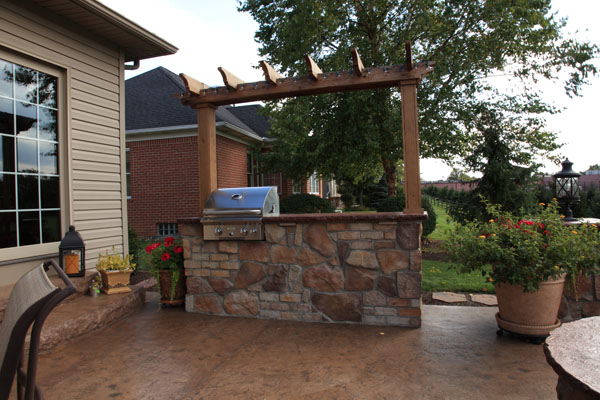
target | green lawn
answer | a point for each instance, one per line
(438, 276)
(443, 223)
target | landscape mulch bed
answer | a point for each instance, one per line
(139, 276)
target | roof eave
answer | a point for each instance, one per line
(137, 42)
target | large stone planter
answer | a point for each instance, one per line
(533, 314)
(114, 282)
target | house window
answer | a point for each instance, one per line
(273, 179)
(128, 172)
(167, 229)
(29, 163)
(250, 169)
(255, 178)
(296, 187)
(314, 182)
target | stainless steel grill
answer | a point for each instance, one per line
(236, 214)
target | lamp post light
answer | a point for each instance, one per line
(567, 188)
(71, 253)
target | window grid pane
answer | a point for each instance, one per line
(29, 174)
(167, 229)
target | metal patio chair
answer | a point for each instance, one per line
(30, 302)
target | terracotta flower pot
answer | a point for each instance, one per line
(115, 281)
(532, 313)
(165, 288)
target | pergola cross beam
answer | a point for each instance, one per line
(407, 76)
(341, 81)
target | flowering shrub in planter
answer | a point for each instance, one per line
(526, 250)
(166, 255)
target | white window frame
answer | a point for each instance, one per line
(314, 184)
(17, 254)
(296, 187)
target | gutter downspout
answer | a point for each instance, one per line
(134, 66)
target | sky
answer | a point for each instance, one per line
(212, 34)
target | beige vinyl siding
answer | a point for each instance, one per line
(93, 136)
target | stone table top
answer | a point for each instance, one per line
(573, 350)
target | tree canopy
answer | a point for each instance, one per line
(357, 135)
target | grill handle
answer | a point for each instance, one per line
(237, 196)
(218, 213)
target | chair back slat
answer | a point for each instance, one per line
(26, 299)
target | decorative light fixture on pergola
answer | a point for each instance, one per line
(206, 100)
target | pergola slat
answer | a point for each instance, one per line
(192, 85)
(271, 75)
(230, 80)
(314, 72)
(359, 68)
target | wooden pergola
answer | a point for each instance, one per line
(206, 100)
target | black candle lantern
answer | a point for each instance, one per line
(567, 188)
(71, 253)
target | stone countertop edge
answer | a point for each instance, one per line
(335, 217)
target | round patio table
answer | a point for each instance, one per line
(573, 351)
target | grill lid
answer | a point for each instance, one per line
(249, 202)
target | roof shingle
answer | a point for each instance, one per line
(149, 105)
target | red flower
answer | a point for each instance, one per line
(155, 245)
(149, 249)
(178, 249)
(169, 241)
(165, 257)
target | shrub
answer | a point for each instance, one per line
(392, 204)
(396, 204)
(347, 199)
(430, 222)
(134, 243)
(303, 203)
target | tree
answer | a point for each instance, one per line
(459, 176)
(509, 172)
(357, 135)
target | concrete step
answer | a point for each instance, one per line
(81, 284)
(86, 314)
(80, 313)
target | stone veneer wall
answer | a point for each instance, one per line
(583, 302)
(352, 268)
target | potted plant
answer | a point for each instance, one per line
(167, 268)
(115, 272)
(95, 285)
(530, 257)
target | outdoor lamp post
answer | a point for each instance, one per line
(567, 188)
(71, 253)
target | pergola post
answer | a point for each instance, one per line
(207, 152)
(410, 136)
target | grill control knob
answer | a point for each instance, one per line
(231, 233)
(244, 231)
(253, 230)
(218, 231)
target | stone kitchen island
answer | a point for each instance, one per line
(360, 268)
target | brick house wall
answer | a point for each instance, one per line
(231, 163)
(164, 179)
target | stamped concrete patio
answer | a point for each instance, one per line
(171, 354)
